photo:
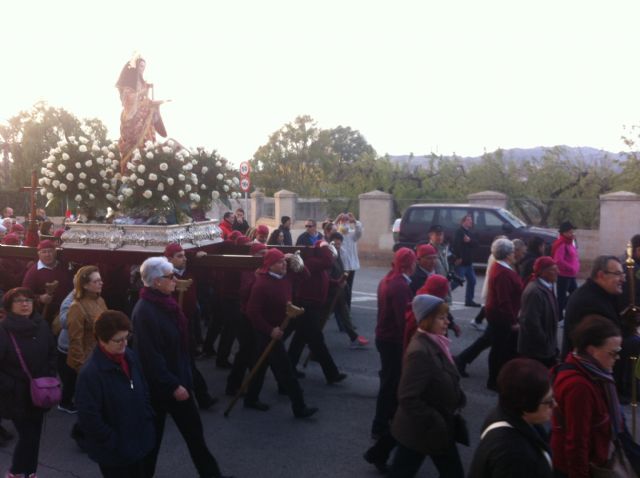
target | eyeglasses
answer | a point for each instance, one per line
(614, 353)
(550, 402)
(309, 225)
(169, 276)
(23, 300)
(615, 273)
(126, 338)
(96, 281)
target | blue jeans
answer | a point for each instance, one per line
(407, 462)
(470, 276)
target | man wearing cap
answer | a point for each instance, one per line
(539, 314)
(267, 309)
(46, 270)
(565, 253)
(426, 265)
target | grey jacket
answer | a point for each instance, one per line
(428, 396)
(538, 322)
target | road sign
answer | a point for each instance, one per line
(245, 184)
(245, 169)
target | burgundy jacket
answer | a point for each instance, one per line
(267, 305)
(503, 300)
(315, 289)
(394, 295)
(36, 279)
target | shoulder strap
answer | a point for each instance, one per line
(19, 354)
(493, 426)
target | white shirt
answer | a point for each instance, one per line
(41, 265)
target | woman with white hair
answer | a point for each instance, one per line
(162, 343)
(503, 305)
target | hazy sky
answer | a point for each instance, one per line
(411, 76)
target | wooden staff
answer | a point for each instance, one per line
(49, 289)
(181, 286)
(292, 312)
(630, 318)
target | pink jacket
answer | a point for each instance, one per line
(566, 256)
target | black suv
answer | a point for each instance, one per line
(488, 222)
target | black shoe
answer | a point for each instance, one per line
(223, 363)
(207, 402)
(257, 405)
(298, 373)
(472, 304)
(461, 366)
(337, 379)
(370, 457)
(305, 412)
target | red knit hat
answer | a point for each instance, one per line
(270, 258)
(257, 247)
(11, 240)
(17, 228)
(172, 249)
(262, 229)
(426, 250)
(234, 236)
(543, 263)
(46, 244)
(242, 240)
(435, 285)
(403, 259)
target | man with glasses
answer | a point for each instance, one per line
(311, 235)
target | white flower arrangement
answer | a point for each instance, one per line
(82, 149)
(147, 194)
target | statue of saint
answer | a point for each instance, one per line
(140, 119)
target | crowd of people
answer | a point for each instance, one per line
(123, 369)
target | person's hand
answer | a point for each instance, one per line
(45, 298)
(181, 394)
(277, 333)
(351, 217)
(466, 238)
(200, 254)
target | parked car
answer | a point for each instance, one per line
(489, 222)
(395, 229)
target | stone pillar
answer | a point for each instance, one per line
(257, 200)
(619, 220)
(285, 205)
(488, 198)
(376, 213)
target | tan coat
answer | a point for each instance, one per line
(428, 396)
(80, 320)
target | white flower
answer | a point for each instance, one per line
(114, 163)
(185, 153)
(69, 177)
(100, 160)
(187, 187)
(131, 166)
(91, 196)
(82, 149)
(63, 187)
(204, 170)
(83, 140)
(43, 191)
(165, 198)
(187, 167)
(78, 165)
(118, 176)
(111, 155)
(41, 181)
(179, 157)
(219, 177)
(228, 181)
(95, 147)
(47, 181)
(194, 178)
(203, 187)
(49, 196)
(234, 195)
(148, 144)
(170, 181)
(149, 155)
(72, 138)
(215, 194)
(105, 150)
(140, 182)
(226, 188)
(81, 186)
(166, 150)
(128, 192)
(163, 166)
(56, 151)
(218, 164)
(103, 173)
(181, 177)
(93, 180)
(112, 146)
(153, 177)
(171, 143)
(110, 197)
(50, 166)
(194, 197)
(181, 193)
(88, 163)
(236, 181)
(61, 168)
(51, 158)
(141, 168)
(105, 186)
(160, 187)
(82, 175)
(78, 198)
(55, 183)
(62, 142)
(147, 194)
(121, 197)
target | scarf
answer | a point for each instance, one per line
(441, 341)
(22, 326)
(605, 379)
(559, 242)
(119, 359)
(169, 304)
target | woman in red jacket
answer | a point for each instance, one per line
(588, 414)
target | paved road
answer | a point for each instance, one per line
(274, 444)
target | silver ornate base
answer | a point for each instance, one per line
(140, 238)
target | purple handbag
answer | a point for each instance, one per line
(45, 391)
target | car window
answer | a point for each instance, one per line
(450, 218)
(492, 221)
(421, 215)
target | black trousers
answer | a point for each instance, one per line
(25, 454)
(246, 356)
(407, 463)
(564, 288)
(187, 419)
(200, 387)
(469, 354)
(279, 362)
(350, 277)
(390, 370)
(68, 378)
(504, 347)
(140, 469)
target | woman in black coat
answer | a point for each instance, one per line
(114, 410)
(513, 441)
(38, 349)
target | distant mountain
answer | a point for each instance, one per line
(590, 155)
